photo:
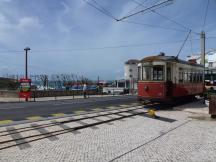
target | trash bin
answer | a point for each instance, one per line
(212, 106)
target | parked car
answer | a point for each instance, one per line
(76, 88)
(92, 87)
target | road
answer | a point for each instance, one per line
(21, 111)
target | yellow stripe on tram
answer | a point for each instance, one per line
(3, 122)
(33, 118)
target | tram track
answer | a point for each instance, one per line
(63, 122)
(56, 123)
(28, 139)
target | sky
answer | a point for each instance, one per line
(72, 37)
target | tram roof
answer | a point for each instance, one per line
(168, 59)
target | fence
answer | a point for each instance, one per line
(46, 93)
(55, 93)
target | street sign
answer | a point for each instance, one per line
(25, 88)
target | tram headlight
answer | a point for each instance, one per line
(146, 88)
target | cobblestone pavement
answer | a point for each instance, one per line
(138, 138)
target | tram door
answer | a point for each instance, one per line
(169, 81)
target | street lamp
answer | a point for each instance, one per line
(26, 61)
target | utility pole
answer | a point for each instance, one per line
(26, 61)
(203, 57)
(203, 48)
(203, 53)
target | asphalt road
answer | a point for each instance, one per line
(20, 111)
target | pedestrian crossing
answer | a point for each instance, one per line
(80, 111)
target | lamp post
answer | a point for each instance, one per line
(26, 61)
(26, 64)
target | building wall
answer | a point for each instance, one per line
(210, 58)
(131, 71)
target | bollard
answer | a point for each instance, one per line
(151, 113)
(55, 95)
(212, 106)
(34, 96)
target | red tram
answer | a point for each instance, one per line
(167, 78)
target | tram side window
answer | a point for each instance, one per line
(169, 74)
(181, 75)
(139, 72)
(185, 76)
(146, 73)
(190, 77)
(197, 76)
(158, 73)
(201, 76)
(194, 76)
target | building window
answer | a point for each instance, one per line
(130, 70)
(210, 64)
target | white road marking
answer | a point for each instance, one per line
(8, 108)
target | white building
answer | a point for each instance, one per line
(210, 66)
(210, 59)
(131, 73)
(131, 69)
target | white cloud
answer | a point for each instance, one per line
(28, 23)
(11, 30)
(61, 26)
(5, 0)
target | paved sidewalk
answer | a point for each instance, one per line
(133, 139)
(195, 107)
(16, 99)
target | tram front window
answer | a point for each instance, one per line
(155, 73)
(158, 73)
(147, 70)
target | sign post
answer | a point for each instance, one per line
(25, 88)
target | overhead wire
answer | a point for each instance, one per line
(166, 17)
(109, 47)
(183, 44)
(101, 10)
(105, 47)
(146, 9)
(132, 22)
(211, 37)
(191, 43)
(154, 26)
(11, 51)
(108, 12)
(205, 15)
(136, 7)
